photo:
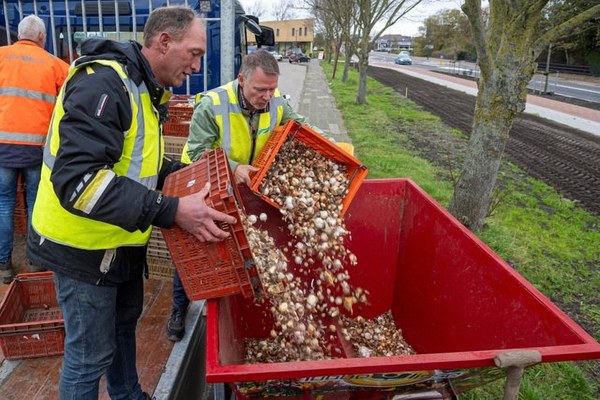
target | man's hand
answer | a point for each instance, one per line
(242, 174)
(196, 217)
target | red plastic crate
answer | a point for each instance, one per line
(175, 127)
(292, 130)
(209, 270)
(181, 108)
(31, 323)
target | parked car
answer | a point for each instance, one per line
(403, 59)
(277, 56)
(299, 57)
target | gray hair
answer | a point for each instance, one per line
(30, 27)
(174, 20)
(260, 58)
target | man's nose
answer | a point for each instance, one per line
(197, 64)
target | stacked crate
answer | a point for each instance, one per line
(175, 129)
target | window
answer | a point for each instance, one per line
(299, 31)
(293, 31)
(304, 31)
(277, 33)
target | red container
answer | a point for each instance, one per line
(31, 324)
(181, 108)
(458, 304)
(292, 130)
(210, 270)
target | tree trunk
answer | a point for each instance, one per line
(347, 61)
(491, 125)
(337, 57)
(361, 93)
(363, 66)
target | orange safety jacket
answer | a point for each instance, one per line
(30, 79)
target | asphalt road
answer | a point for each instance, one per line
(557, 84)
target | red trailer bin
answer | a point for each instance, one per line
(458, 304)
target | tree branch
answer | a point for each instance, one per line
(472, 9)
(565, 28)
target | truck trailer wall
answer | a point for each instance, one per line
(68, 23)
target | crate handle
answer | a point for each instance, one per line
(34, 276)
(293, 135)
(361, 166)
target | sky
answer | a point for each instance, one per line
(407, 25)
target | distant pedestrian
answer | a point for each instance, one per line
(30, 79)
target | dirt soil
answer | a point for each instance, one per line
(565, 158)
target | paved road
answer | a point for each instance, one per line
(559, 84)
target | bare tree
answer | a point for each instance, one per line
(284, 9)
(508, 44)
(257, 9)
(339, 15)
(326, 24)
(371, 12)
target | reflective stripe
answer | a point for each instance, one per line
(135, 166)
(109, 256)
(29, 94)
(81, 185)
(223, 110)
(48, 158)
(275, 103)
(23, 137)
(92, 193)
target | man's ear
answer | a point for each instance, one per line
(41, 39)
(163, 42)
(241, 80)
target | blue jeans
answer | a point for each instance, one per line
(180, 299)
(8, 195)
(100, 323)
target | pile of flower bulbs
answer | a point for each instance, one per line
(296, 332)
(310, 189)
(376, 337)
(308, 282)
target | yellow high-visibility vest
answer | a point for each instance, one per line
(140, 161)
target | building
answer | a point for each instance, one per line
(394, 43)
(291, 36)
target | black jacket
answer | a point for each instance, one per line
(91, 138)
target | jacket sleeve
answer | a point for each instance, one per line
(97, 112)
(204, 131)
